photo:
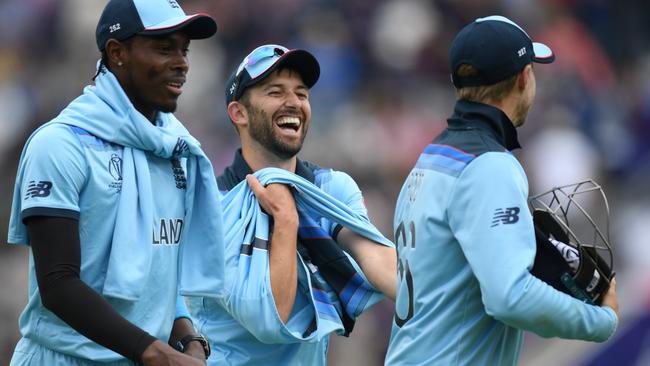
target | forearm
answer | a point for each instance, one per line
(534, 306)
(284, 265)
(378, 262)
(102, 325)
(277, 201)
(57, 255)
(380, 268)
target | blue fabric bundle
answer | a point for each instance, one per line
(248, 295)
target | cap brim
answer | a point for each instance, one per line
(300, 60)
(543, 53)
(196, 26)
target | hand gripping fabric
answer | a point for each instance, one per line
(248, 294)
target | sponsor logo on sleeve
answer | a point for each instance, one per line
(505, 216)
(41, 188)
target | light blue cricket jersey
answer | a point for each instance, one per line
(231, 343)
(465, 243)
(70, 173)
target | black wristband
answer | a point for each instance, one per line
(181, 345)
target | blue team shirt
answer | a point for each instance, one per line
(232, 343)
(70, 173)
(465, 242)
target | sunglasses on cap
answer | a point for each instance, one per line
(255, 64)
(263, 60)
(260, 60)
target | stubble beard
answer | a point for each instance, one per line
(261, 130)
(521, 113)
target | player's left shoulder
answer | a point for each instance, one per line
(336, 183)
(342, 186)
(330, 178)
(342, 178)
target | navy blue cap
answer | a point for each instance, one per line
(498, 49)
(263, 60)
(122, 19)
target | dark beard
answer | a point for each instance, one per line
(261, 130)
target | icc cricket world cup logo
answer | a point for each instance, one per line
(115, 167)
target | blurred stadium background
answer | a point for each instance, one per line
(384, 93)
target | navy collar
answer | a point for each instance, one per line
(468, 114)
(240, 168)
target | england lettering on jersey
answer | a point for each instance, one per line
(167, 232)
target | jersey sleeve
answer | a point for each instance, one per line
(249, 295)
(488, 213)
(54, 172)
(342, 187)
(181, 308)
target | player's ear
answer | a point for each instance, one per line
(115, 52)
(237, 113)
(524, 77)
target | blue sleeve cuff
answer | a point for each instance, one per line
(615, 321)
(181, 308)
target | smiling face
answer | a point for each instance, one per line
(279, 114)
(153, 71)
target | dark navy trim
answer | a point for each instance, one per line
(477, 128)
(247, 249)
(239, 169)
(336, 231)
(49, 212)
(310, 329)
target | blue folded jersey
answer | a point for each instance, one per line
(243, 326)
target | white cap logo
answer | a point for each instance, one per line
(521, 52)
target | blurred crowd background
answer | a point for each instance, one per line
(384, 93)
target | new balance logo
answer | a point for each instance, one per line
(40, 189)
(181, 148)
(506, 216)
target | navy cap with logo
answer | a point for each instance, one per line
(497, 48)
(263, 60)
(122, 19)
